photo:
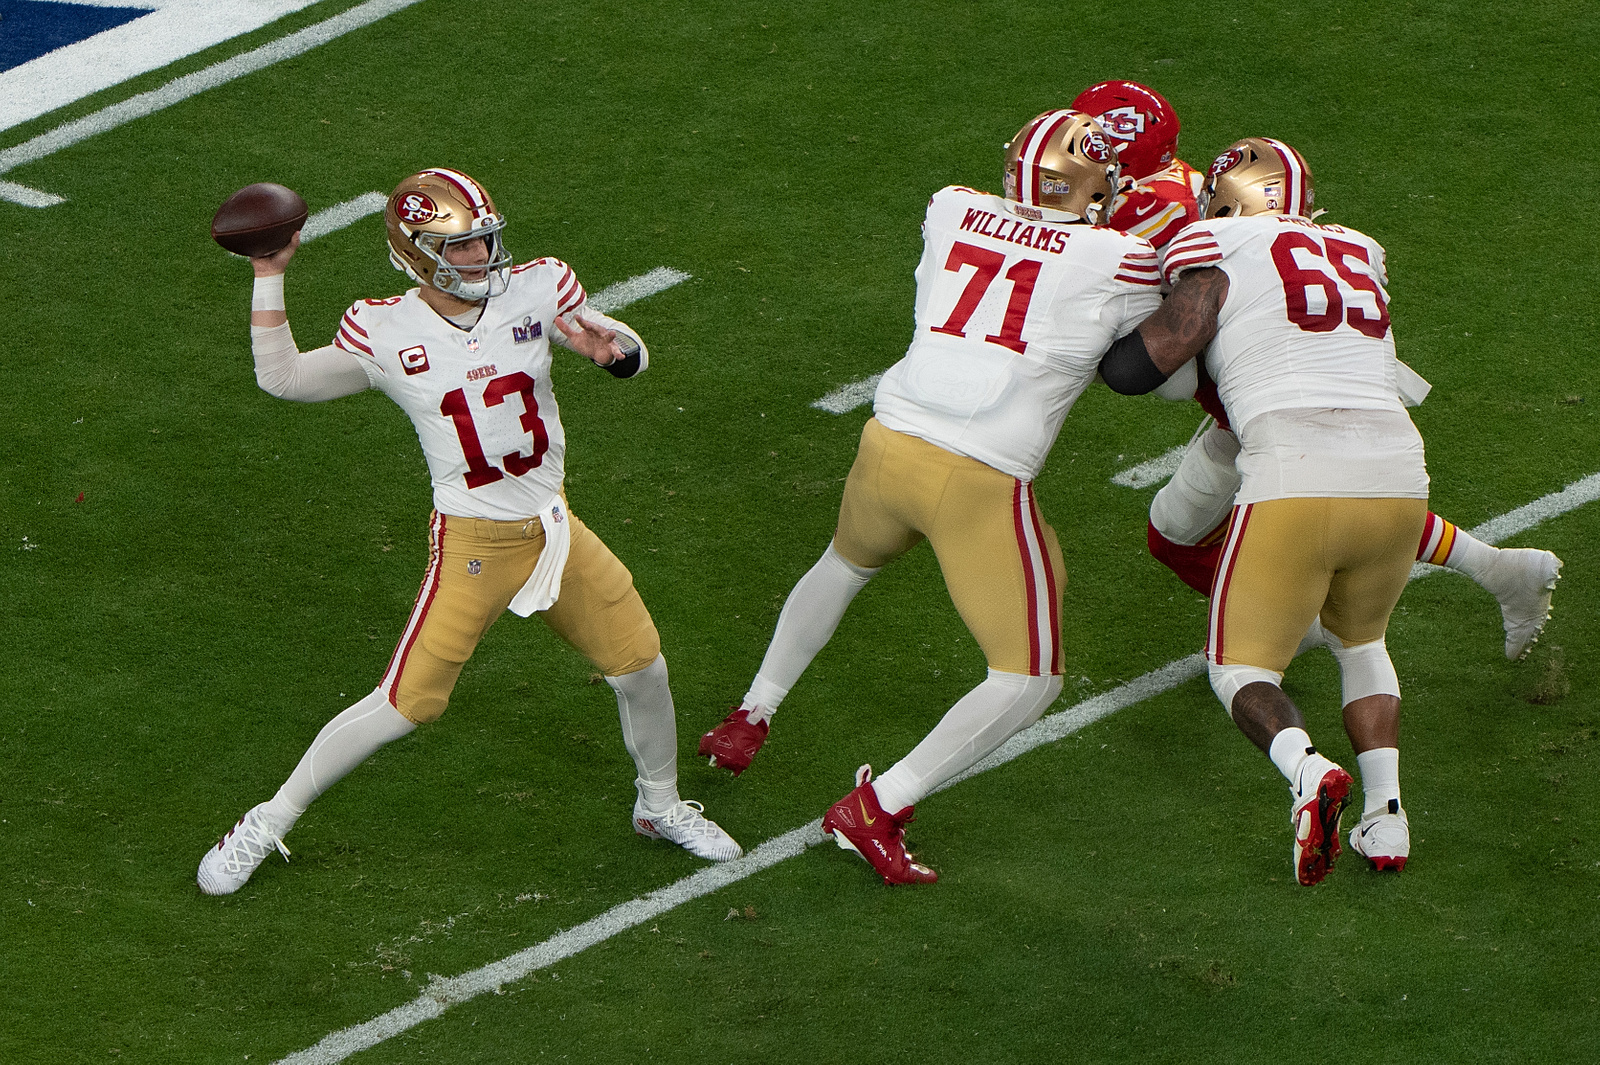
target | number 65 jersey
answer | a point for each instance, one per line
(480, 398)
(1304, 358)
(1015, 307)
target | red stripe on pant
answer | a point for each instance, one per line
(1028, 577)
(1219, 594)
(419, 612)
(1049, 585)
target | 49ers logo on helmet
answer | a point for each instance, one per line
(1096, 147)
(416, 208)
(1226, 162)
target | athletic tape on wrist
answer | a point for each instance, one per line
(268, 294)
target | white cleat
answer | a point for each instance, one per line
(1384, 838)
(687, 825)
(1523, 579)
(227, 866)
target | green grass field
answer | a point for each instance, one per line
(196, 576)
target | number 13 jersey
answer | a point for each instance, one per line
(480, 398)
(1015, 308)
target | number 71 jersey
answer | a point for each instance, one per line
(480, 398)
(1016, 305)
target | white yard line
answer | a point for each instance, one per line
(615, 297)
(442, 993)
(341, 215)
(147, 103)
(847, 398)
(1153, 472)
(27, 197)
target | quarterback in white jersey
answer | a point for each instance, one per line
(1018, 296)
(1334, 487)
(467, 356)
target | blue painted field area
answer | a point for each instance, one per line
(29, 28)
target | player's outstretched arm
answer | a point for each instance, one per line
(282, 369)
(1178, 331)
(604, 341)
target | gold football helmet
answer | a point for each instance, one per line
(1257, 175)
(437, 209)
(1063, 160)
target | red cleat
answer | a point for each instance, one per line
(859, 824)
(1319, 798)
(735, 742)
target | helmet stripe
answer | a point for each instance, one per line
(1034, 150)
(1294, 169)
(469, 189)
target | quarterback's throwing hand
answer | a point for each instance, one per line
(278, 261)
(594, 342)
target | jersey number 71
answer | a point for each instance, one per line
(987, 264)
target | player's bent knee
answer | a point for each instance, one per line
(1366, 669)
(1032, 695)
(421, 709)
(1227, 680)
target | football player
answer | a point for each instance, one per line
(1333, 492)
(1156, 197)
(1017, 297)
(1189, 515)
(467, 356)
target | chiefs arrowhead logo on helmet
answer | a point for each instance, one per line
(416, 208)
(1123, 123)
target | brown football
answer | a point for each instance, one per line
(259, 219)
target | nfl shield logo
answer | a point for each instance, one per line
(472, 343)
(475, 567)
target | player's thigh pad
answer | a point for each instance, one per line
(599, 611)
(1002, 564)
(875, 527)
(474, 568)
(1374, 542)
(1271, 582)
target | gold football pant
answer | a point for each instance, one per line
(1001, 561)
(475, 567)
(1286, 561)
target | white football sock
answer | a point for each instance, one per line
(1289, 748)
(650, 732)
(809, 618)
(983, 719)
(1471, 556)
(344, 743)
(1380, 778)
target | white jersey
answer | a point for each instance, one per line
(1015, 308)
(480, 398)
(1305, 329)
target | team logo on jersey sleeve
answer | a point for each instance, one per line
(414, 360)
(528, 330)
(416, 208)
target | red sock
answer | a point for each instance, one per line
(1196, 566)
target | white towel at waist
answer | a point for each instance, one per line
(544, 585)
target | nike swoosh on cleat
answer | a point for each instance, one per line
(864, 816)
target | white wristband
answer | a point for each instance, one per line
(268, 294)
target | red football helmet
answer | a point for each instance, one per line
(1139, 119)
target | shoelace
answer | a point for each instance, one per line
(689, 814)
(251, 837)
